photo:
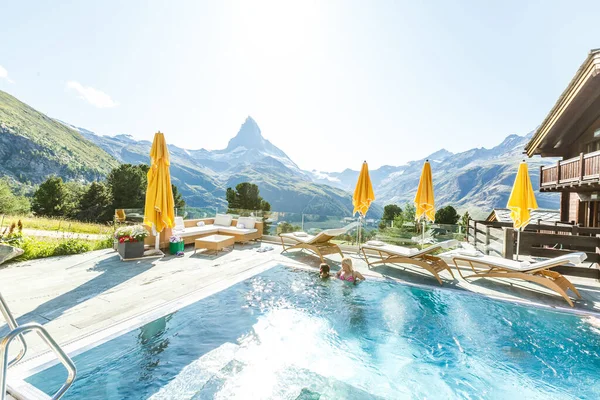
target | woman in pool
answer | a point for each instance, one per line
(347, 273)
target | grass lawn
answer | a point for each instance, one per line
(55, 224)
(47, 247)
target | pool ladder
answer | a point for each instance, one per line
(17, 332)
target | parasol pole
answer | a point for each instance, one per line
(518, 242)
(423, 234)
(156, 240)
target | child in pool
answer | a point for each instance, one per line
(347, 273)
(324, 271)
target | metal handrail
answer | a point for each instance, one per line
(17, 332)
(12, 324)
(60, 354)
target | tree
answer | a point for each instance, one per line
(10, 203)
(447, 215)
(127, 184)
(246, 196)
(178, 198)
(286, 227)
(464, 221)
(49, 198)
(409, 212)
(390, 212)
(74, 191)
(95, 204)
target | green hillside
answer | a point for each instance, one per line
(34, 146)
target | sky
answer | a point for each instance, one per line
(330, 82)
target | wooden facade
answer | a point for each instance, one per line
(571, 132)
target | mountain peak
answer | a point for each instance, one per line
(440, 155)
(249, 136)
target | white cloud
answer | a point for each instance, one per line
(95, 97)
(4, 74)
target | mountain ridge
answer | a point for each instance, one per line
(477, 179)
(33, 146)
(203, 175)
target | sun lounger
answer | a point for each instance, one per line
(538, 272)
(319, 244)
(390, 254)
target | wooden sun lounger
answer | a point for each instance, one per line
(319, 244)
(538, 272)
(390, 254)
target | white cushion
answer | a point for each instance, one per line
(236, 230)
(248, 222)
(375, 243)
(199, 230)
(200, 223)
(300, 234)
(223, 220)
(469, 253)
(179, 225)
(240, 226)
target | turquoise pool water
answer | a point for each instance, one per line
(285, 334)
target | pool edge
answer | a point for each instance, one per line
(19, 388)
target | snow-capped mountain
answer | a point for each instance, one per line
(203, 175)
(477, 180)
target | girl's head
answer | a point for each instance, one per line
(324, 271)
(347, 264)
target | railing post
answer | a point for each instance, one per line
(557, 172)
(475, 233)
(581, 167)
(487, 240)
(508, 247)
(541, 176)
(467, 228)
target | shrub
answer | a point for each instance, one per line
(13, 234)
(47, 247)
(71, 246)
(103, 244)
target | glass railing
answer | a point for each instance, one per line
(129, 216)
(402, 233)
(411, 234)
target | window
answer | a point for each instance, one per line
(592, 146)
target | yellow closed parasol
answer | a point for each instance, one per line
(363, 195)
(159, 212)
(424, 199)
(521, 201)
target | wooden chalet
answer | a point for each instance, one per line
(571, 131)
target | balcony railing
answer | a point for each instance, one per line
(577, 170)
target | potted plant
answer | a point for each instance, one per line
(131, 241)
(175, 244)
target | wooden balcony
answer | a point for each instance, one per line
(578, 173)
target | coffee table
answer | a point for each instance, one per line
(214, 242)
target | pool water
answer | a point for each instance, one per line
(286, 334)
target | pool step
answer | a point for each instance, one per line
(218, 374)
(217, 381)
(193, 377)
(238, 380)
(303, 384)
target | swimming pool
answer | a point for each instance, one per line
(285, 334)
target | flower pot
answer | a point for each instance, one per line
(131, 250)
(176, 247)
